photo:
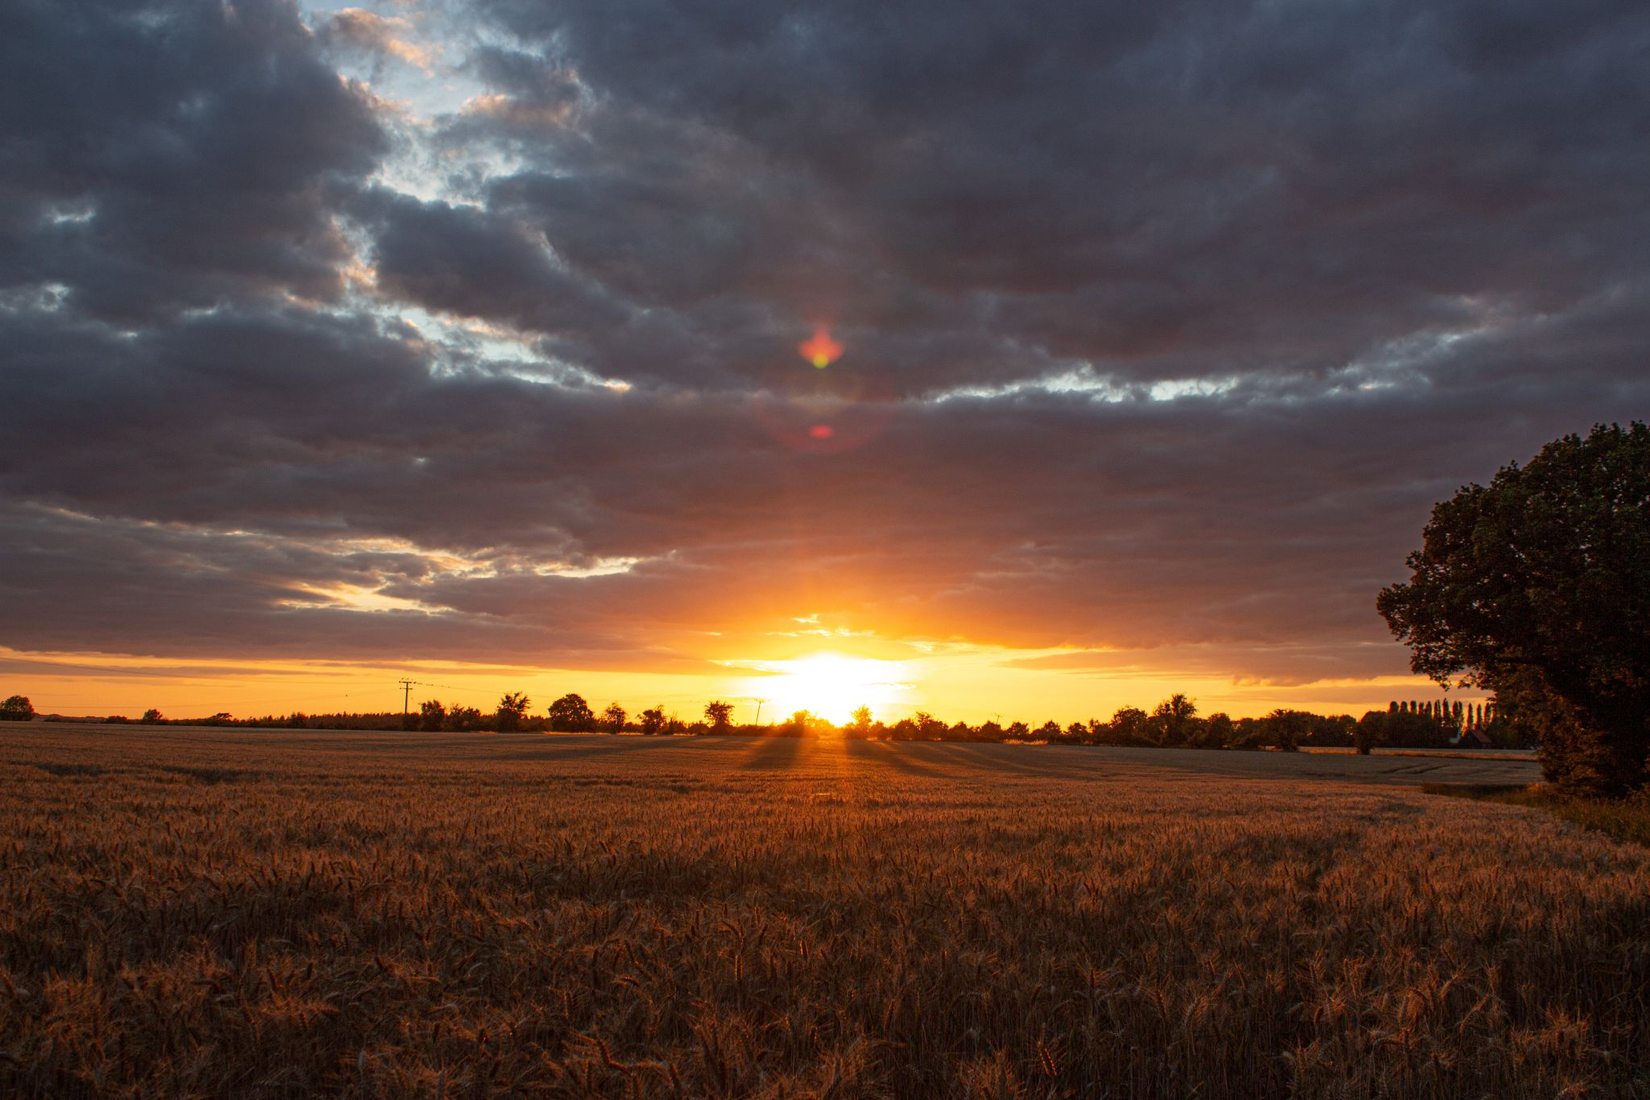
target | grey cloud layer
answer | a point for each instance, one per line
(158, 158)
(1183, 190)
(1399, 244)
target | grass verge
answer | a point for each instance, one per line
(1626, 820)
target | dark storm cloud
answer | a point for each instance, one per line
(1183, 190)
(476, 264)
(1396, 245)
(165, 155)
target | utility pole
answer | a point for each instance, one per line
(759, 703)
(406, 695)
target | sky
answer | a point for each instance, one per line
(477, 342)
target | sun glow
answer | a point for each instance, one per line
(830, 686)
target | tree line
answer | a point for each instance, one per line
(1176, 723)
(1173, 723)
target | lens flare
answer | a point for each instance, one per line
(823, 411)
(820, 350)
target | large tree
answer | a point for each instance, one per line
(512, 708)
(1537, 587)
(720, 716)
(571, 714)
(1173, 720)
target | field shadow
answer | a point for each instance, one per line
(576, 747)
(61, 770)
(993, 758)
(771, 754)
(897, 757)
(1473, 790)
(212, 776)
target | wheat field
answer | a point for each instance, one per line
(258, 913)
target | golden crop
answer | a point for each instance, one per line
(254, 913)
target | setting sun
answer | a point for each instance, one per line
(829, 685)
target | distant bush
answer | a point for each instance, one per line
(17, 708)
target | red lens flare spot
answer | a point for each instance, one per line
(821, 431)
(820, 350)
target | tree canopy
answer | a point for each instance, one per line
(1537, 587)
(512, 708)
(1172, 719)
(571, 714)
(720, 715)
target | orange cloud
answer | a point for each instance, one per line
(385, 33)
